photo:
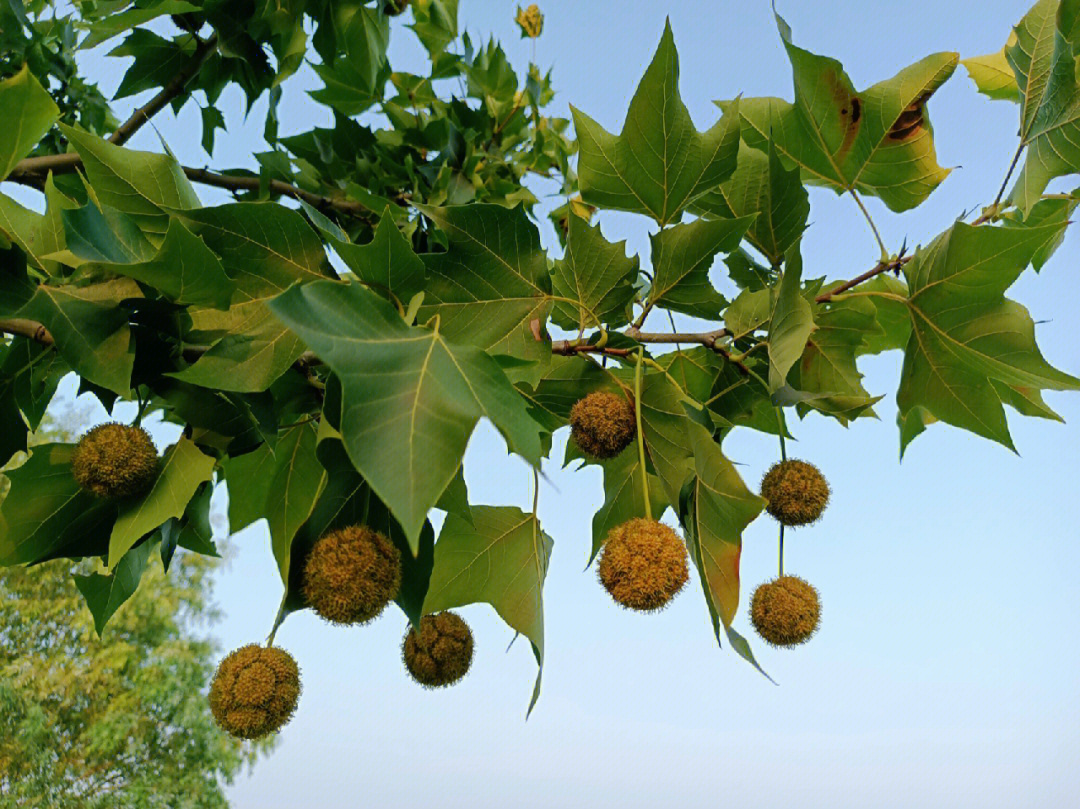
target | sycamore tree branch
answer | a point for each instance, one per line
(33, 171)
(32, 168)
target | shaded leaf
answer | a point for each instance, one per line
(45, 514)
(387, 262)
(105, 594)
(183, 469)
(90, 330)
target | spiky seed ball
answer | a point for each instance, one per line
(643, 564)
(785, 611)
(441, 653)
(602, 424)
(351, 574)
(797, 492)
(114, 461)
(255, 691)
(391, 8)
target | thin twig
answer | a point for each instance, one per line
(881, 267)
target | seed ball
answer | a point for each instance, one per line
(391, 8)
(441, 653)
(643, 564)
(785, 611)
(255, 691)
(602, 424)
(115, 461)
(351, 574)
(797, 492)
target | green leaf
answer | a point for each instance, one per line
(101, 234)
(681, 258)
(791, 324)
(762, 186)
(715, 507)
(183, 469)
(264, 247)
(659, 163)
(45, 514)
(827, 365)
(893, 319)
(90, 330)
(184, 269)
(993, 75)
(406, 432)
(877, 141)
(595, 273)
(38, 235)
(29, 375)
(665, 411)
(502, 561)
(623, 496)
(387, 262)
(106, 594)
(751, 310)
(29, 112)
(249, 477)
(492, 281)
(254, 351)
(144, 185)
(1045, 212)
(1044, 61)
(966, 334)
(296, 482)
(197, 534)
(436, 23)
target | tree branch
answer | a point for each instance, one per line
(234, 182)
(30, 329)
(34, 168)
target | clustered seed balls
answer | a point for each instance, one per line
(351, 574)
(602, 424)
(643, 564)
(441, 653)
(255, 691)
(785, 611)
(797, 492)
(115, 461)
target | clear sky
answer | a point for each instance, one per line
(947, 669)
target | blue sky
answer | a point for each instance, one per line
(946, 669)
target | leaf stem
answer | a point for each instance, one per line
(781, 550)
(277, 620)
(992, 211)
(640, 435)
(781, 422)
(873, 227)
